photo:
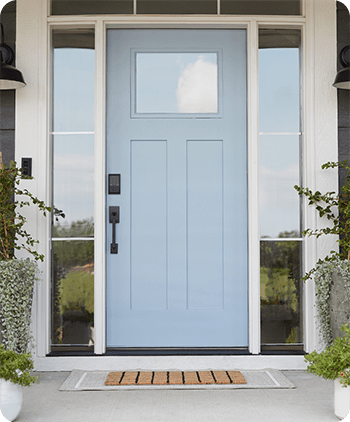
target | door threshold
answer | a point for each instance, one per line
(150, 351)
(176, 351)
(57, 351)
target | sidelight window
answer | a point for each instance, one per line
(73, 188)
(280, 148)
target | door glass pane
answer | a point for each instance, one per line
(281, 290)
(176, 83)
(73, 293)
(177, 7)
(73, 194)
(260, 7)
(91, 7)
(280, 152)
(73, 187)
(279, 82)
(73, 81)
(279, 172)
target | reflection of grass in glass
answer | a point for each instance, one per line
(72, 253)
(276, 288)
(76, 291)
(79, 228)
(292, 336)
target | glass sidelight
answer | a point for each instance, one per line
(73, 188)
(280, 149)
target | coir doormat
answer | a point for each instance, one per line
(175, 378)
(81, 380)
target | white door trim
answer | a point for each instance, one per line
(32, 134)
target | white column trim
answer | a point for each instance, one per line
(100, 189)
(253, 187)
(320, 143)
(308, 99)
(31, 141)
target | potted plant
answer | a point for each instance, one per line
(14, 373)
(334, 364)
(332, 274)
(17, 280)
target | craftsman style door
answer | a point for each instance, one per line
(177, 188)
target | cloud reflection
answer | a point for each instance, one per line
(197, 90)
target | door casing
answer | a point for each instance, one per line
(33, 58)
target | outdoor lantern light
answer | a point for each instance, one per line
(10, 77)
(342, 80)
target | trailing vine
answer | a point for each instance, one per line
(336, 209)
(13, 233)
(323, 280)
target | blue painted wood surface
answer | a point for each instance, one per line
(180, 278)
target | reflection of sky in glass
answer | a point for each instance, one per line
(74, 108)
(176, 83)
(279, 155)
(279, 172)
(74, 177)
(74, 90)
(279, 90)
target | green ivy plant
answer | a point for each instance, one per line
(13, 198)
(336, 209)
(16, 367)
(334, 361)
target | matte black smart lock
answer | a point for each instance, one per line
(114, 219)
(114, 184)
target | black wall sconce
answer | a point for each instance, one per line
(342, 80)
(10, 77)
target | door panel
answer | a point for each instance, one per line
(180, 276)
(205, 236)
(148, 230)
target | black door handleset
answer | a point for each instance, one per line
(114, 219)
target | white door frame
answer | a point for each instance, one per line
(318, 25)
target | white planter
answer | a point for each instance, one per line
(11, 399)
(341, 400)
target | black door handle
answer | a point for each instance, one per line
(114, 219)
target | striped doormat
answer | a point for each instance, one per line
(175, 378)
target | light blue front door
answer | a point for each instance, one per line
(176, 134)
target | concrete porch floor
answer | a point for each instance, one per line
(311, 401)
